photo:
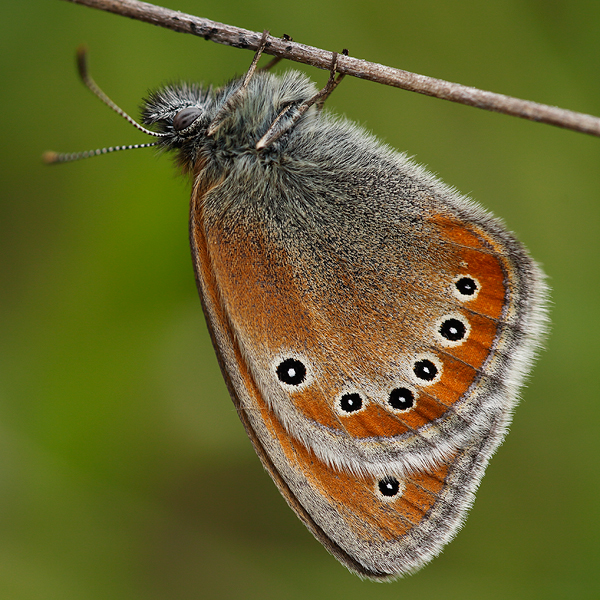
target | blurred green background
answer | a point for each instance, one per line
(124, 471)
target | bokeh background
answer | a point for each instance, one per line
(124, 471)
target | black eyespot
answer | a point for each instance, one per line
(425, 369)
(453, 330)
(184, 118)
(351, 402)
(401, 398)
(291, 371)
(466, 286)
(389, 486)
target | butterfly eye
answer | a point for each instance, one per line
(186, 117)
(467, 287)
(291, 371)
(389, 487)
(401, 398)
(351, 402)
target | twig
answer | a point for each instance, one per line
(285, 48)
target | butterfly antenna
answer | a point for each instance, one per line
(59, 157)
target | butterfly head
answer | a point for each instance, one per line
(181, 113)
(221, 125)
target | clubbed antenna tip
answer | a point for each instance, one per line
(50, 157)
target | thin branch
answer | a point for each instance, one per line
(285, 48)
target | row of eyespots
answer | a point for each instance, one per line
(292, 371)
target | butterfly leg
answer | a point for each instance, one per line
(275, 131)
(240, 92)
(332, 82)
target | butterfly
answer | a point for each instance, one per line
(372, 324)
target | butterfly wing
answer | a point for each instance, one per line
(380, 527)
(412, 313)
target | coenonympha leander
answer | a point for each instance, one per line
(373, 325)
